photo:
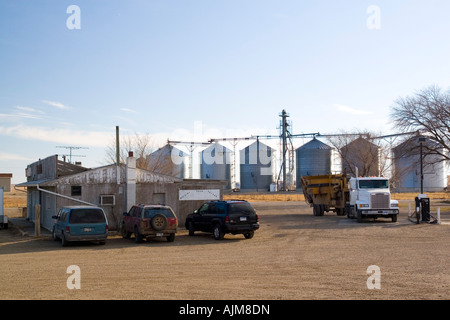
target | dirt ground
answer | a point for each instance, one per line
(294, 255)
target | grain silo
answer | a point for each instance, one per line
(256, 167)
(313, 158)
(407, 177)
(168, 160)
(361, 154)
(216, 163)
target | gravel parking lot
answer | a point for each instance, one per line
(294, 255)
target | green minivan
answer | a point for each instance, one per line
(80, 223)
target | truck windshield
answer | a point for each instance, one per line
(374, 184)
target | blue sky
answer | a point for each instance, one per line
(161, 67)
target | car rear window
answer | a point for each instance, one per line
(87, 216)
(150, 212)
(242, 207)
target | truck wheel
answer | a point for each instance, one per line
(158, 222)
(171, 237)
(137, 236)
(218, 233)
(358, 216)
(54, 237)
(125, 234)
(394, 218)
(191, 228)
(321, 209)
(249, 235)
(318, 210)
(64, 242)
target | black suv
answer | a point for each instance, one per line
(220, 217)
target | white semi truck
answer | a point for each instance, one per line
(371, 197)
(357, 197)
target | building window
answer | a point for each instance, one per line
(107, 200)
(75, 191)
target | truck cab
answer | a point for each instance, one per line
(371, 197)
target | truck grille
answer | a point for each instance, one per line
(380, 201)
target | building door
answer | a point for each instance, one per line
(159, 198)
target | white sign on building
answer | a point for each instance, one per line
(209, 194)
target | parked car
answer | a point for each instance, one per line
(149, 221)
(221, 217)
(80, 223)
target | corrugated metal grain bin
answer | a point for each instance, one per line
(256, 167)
(313, 158)
(162, 161)
(215, 165)
(406, 176)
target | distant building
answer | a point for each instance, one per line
(5, 181)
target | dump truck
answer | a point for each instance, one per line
(357, 197)
(326, 193)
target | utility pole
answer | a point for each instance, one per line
(421, 141)
(284, 126)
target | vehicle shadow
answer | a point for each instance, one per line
(11, 243)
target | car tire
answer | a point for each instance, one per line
(54, 236)
(158, 222)
(191, 228)
(358, 216)
(64, 242)
(137, 236)
(394, 218)
(249, 235)
(171, 237)
(218, 233)
(125, 234)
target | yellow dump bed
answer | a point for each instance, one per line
(326, 192)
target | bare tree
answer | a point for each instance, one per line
(141, 145)
(361, 150)
(147, 155)
(428, 113)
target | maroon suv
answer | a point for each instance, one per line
(149, 221)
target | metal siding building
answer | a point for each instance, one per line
(313, 158)
(216, 164)
(162, 161)
(256, 167)
(407, 168)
